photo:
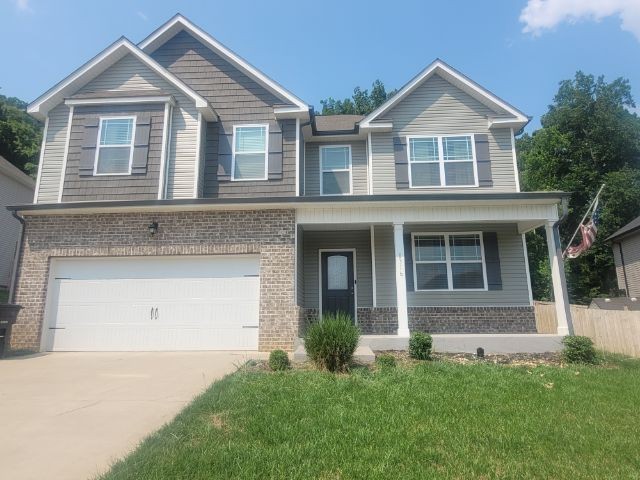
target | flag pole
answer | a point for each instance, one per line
(564, 254)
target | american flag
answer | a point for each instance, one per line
(588, 231)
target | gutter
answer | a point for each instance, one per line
(16, 259)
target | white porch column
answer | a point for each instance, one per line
(563, 308)
(401, 282)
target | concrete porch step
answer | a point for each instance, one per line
(363, 354)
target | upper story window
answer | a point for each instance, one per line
(335, 170)
(114, 149)
(448, 261)
(249, 152)
(442, 161)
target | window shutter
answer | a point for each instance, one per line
(408, 262)
(492, 260)
(275, 151)
(89, 142)
(141, 144)
(225, 152)
(484, 160)
(401, 162)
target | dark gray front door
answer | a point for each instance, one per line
(338, 286)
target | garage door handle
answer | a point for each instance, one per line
(250, 326)
(154, 313)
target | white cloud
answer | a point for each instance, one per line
(540, 15)
(23, 6)
(142, 15)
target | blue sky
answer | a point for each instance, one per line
(320, 49)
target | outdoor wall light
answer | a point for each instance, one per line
(480, 352)
(153, 228)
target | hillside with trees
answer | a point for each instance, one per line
(20, 135)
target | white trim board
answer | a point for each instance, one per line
(43, 145)
(63, 169)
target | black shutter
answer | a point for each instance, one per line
(275, 151)
(225, 152)
(484, 160)
(89, 142)
(401, 162)
(408, 262)
(141, 144)
(492, 260)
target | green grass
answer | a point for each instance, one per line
(435, 420)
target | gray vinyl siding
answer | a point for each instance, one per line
(120, 187)
(129, 74)
(313, 241)
(439, 108)
(358, 167)
(631, 253)
(237, 99)
(53, 156)
(514, 291)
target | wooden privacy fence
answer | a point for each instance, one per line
(611, 330)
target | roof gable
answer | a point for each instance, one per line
(179, 23)
(506, 114)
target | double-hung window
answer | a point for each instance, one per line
(442, 161)
(448, 261)
(250, 152)
(114, 149)
(335, 170)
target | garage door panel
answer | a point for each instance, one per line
(139, 312)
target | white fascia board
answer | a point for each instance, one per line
(377, 127)
(516, 124)
(98, 64)
(178, 23)
(291, 113)
(456, 78)
(121, 100)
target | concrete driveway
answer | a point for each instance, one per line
(70, 415)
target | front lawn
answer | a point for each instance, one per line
(436, 420)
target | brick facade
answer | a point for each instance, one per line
(384, 320)
(269, 233)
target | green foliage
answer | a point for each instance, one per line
(331, 342)
(420, 345)
(588, 137)
(278, 360)
(385, 361)
(20, 135)
(361, 102)
(578, 349)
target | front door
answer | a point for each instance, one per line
(338, 285)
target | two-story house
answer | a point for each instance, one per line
(186, 201)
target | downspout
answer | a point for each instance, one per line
(624, 270)
(16, 260)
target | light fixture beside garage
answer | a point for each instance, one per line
(153, 228)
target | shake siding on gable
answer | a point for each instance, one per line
(131, 74)
(358, 169)
(53, 156)
(439, 108)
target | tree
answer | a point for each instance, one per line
(361, 102)
(20, 135)
(588, 137)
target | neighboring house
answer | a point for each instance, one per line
(15, 187)
(186, 201)
(615, 303)
(626, 253)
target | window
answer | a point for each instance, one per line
(114, 149)
(442, 161)
(335, 170)
(448, 261)
(249, 152)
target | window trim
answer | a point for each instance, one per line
(322, 170)
(448, 262)
(441, 161)
(266, 153)
(98, 146)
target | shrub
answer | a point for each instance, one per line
(579, 349)
(331, 342)
(278, 360)
(386, 361)
(420, 345)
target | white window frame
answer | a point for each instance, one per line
(266, 153)
(448, 262)
(322, 170)
(441, 161)
(98, 146)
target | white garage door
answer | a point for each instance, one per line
(153, 303)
